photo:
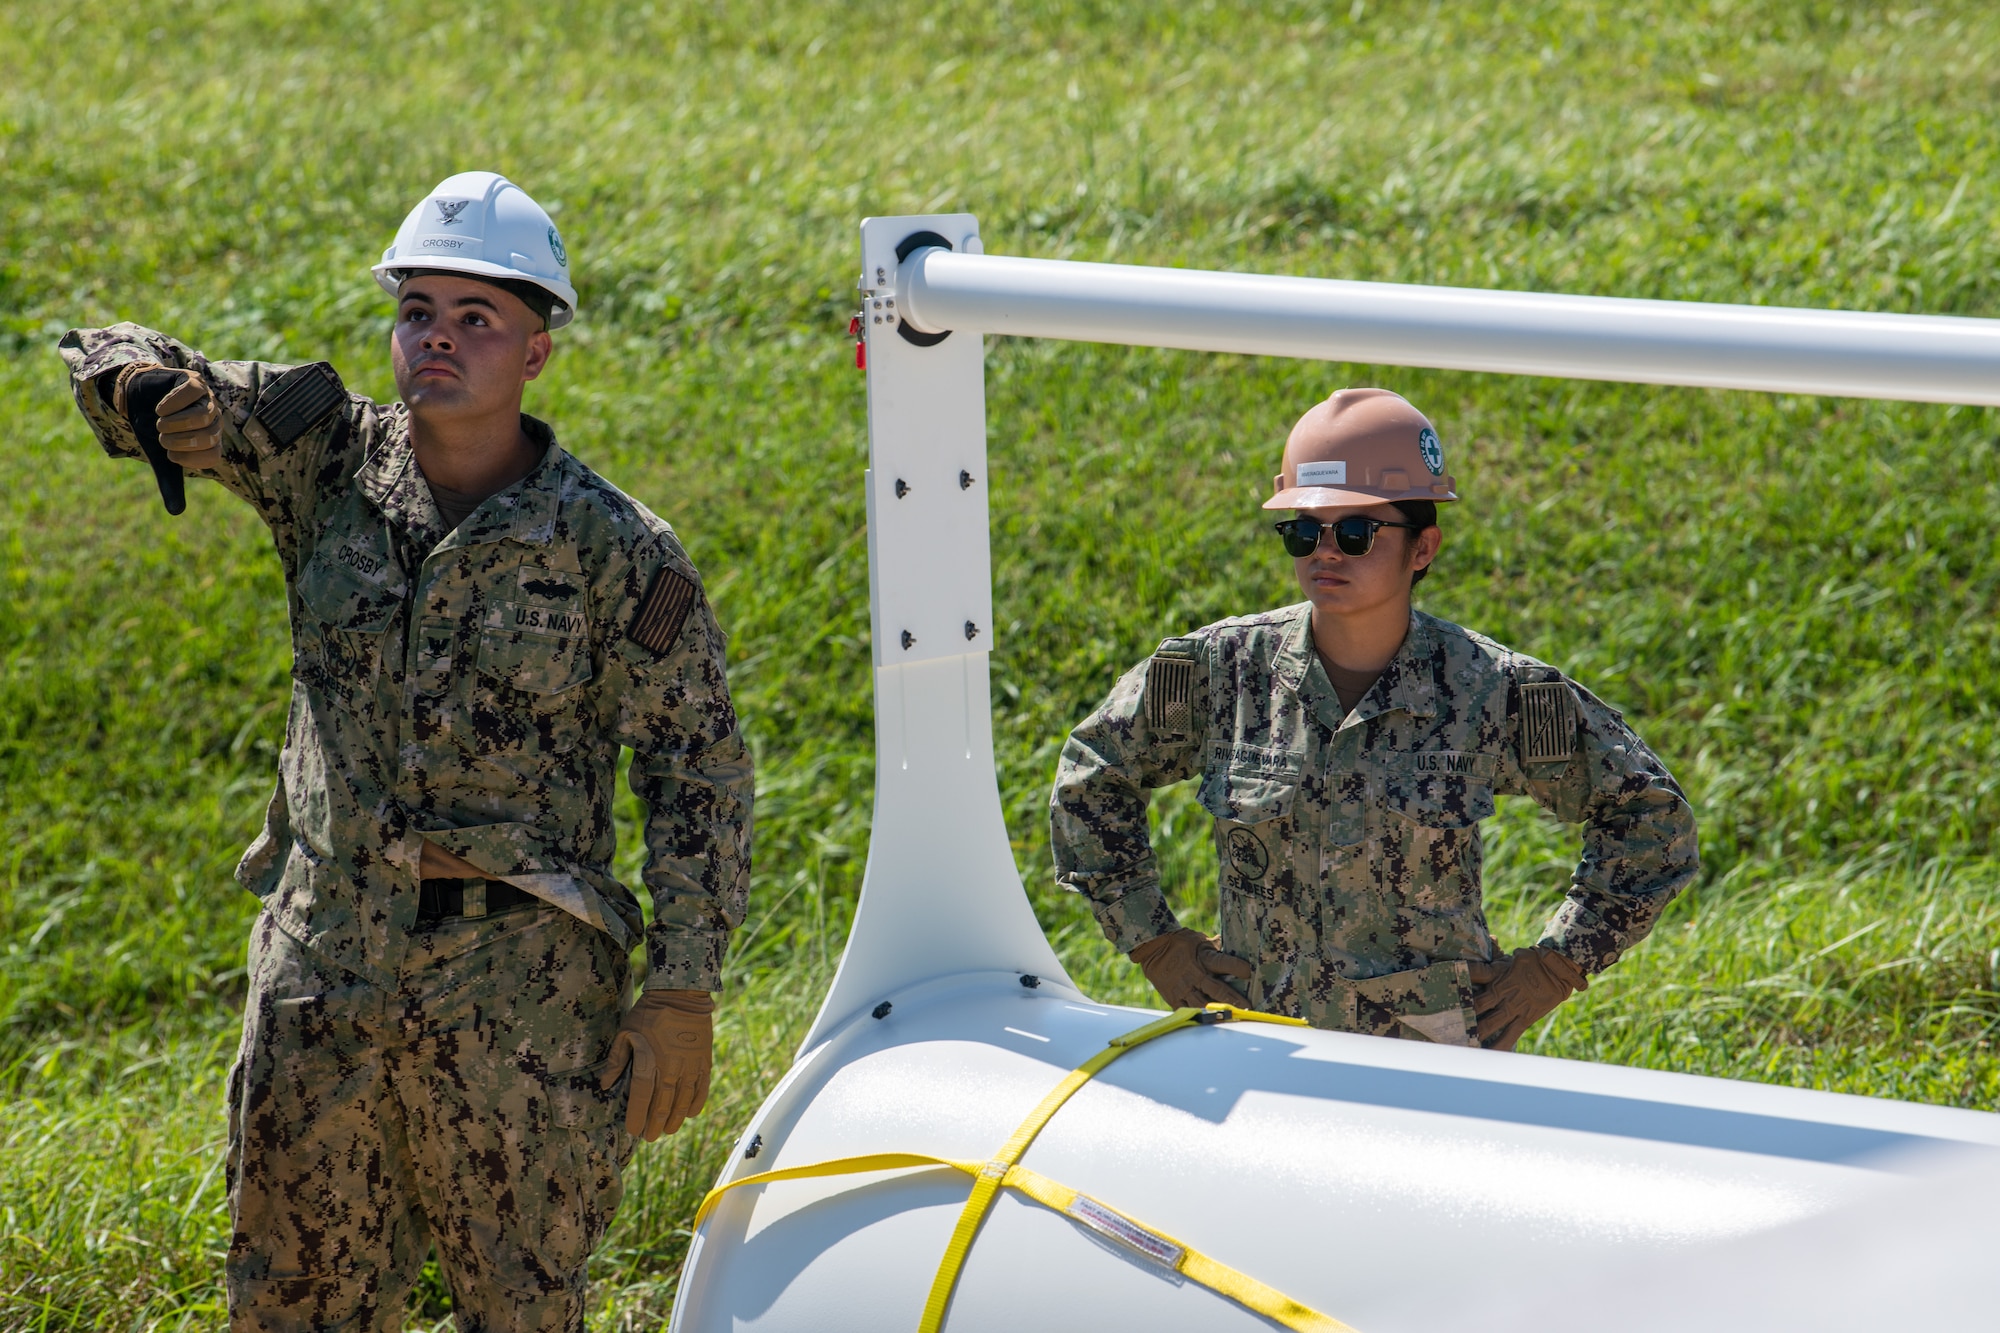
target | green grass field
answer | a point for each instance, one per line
(1793, 598)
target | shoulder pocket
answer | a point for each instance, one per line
(297, 401)
(1249, 784)
(1169, 692)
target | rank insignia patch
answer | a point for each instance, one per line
(657, 623)
(1169, 687)
(1548, 723)
(298, 400)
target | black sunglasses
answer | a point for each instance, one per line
(1353, 535)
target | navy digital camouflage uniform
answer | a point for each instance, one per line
(473, 688)
(1349, 841)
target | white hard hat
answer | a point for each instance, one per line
(483, 225)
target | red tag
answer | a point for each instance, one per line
(860, 355)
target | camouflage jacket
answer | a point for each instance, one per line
(471, 687)
(1349, 841)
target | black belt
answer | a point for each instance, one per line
(440, 898)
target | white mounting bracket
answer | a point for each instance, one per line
(940, 895)
(930, 575)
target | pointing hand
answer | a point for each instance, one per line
(184, 411)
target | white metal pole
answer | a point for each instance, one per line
(940, 895)
(1838, 353)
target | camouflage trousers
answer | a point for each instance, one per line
(460, 1109)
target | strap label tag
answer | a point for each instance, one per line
(1116, 1226)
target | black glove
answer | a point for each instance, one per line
(138, 393)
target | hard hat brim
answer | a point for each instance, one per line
(565, 310)
(1442, 490)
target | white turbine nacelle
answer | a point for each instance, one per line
(1392, 1185)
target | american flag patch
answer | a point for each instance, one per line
(1548, 723)
(1169, 686)
(297, 401)
(657, 623)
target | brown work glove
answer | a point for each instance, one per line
(190, 423)
(1514, 992)
(1187, 969)
(668, 1038)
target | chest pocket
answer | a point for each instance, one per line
(534, 649)
(350, 592)
(534, 654)
(1248, 785)
(1441, 789)
(1251, 791)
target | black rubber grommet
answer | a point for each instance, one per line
(915, 241)
(882, 1010)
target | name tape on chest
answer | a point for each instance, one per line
(656, 625)
(1548, 723)
(548, 621)
(1454, 764)
(1169, 690)
(298, 400)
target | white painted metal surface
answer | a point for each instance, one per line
(1395, 1185)
(930, 585)
(1841, 353)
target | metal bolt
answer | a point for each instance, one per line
(902, 488)
(756, 1146)
(971, 630)
(909, 641)
(882, 1010)
(892, 303)
(1030, 981)
(881, 274)
(965, 480)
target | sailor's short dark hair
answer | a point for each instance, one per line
(1423, 513)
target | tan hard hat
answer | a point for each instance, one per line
(1361, 446)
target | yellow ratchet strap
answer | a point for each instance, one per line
(1003, 1171)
